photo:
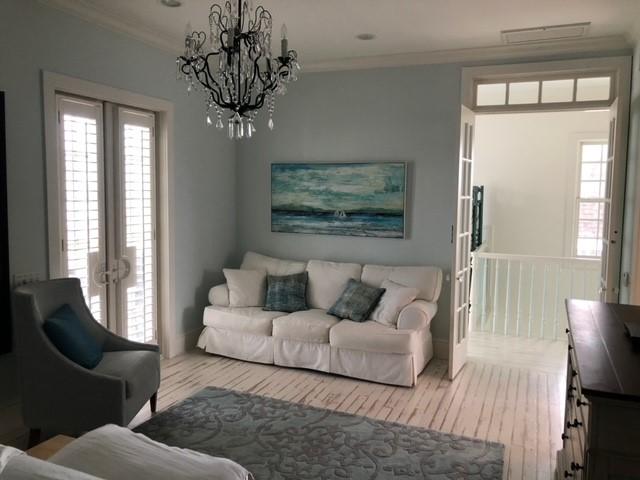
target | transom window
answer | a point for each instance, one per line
(561, 91)
(591, 198)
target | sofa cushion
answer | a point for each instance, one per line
(327, 281)
(70, 336)
(356, 302)
(287, 293)
(140, 369)
(247, 288)
(240, 319)
(427, 279)
(307, 326)
(394, 299)
(372, 337)
(273, 266)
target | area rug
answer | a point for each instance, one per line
(275, 439)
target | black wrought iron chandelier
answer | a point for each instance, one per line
(234, 65)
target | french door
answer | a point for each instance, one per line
(106, 175)
(459, 330)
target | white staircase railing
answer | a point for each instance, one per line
(523, 295)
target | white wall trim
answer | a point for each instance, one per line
(141, 30)
(480, 54)
(134, 27)
(53, 83)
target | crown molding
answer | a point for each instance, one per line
(138, 29)
(478, 54)
(132, 26)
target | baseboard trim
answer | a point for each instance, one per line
(183, 343)
(441, 348)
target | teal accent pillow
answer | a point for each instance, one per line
(287, 293)
(71, 338)
(356, 302)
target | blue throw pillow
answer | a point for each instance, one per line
(71, 338)
(357, 301)
(287, 293)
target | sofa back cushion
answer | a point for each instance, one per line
(327, 281)
(428, 280)
(273, 266)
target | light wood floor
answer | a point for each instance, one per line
(500, 395)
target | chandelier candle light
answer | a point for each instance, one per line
(234, 65)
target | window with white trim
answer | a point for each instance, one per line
(591, 198)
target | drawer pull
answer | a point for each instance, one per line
(580, 403)
(574, 373)
(576, 466)
(570, 395)
(566, 330)
(564, 436)
(570, 347)
(567, 474)
(575, 424)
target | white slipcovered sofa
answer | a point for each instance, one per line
(313, 339)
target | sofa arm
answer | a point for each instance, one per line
(219, 295)
(417, 315)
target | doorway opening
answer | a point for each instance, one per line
(541, 179)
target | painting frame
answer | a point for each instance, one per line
(399, 232)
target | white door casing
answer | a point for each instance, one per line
(461, 281)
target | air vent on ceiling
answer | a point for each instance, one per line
(545, 33)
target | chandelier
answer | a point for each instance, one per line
(234, 66)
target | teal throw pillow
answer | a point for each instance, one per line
(69, 335)
(357, 301)
(287, 293)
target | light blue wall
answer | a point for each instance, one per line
(406, 114)
(35, 38)
(631, 233)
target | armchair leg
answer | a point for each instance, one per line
(34, 437)
(153, 402)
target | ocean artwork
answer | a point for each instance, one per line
(354, 199)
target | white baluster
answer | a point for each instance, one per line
(518, 312)
(495, 296)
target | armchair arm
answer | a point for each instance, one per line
(115, 343)
(417, 315)
(219, 295)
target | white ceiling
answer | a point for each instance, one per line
(324, 30)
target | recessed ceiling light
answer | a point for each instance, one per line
(171, 3)
(365, 36)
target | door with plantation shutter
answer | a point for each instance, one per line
(136, 225)
(82, 227)
(106, 174)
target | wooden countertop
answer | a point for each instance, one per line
(48, 448)
(608, 360)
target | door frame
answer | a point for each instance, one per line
(53, 84)
(618, 66)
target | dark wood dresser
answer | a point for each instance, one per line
(601, 437)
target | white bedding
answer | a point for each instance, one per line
(116, 453)
(17, 465)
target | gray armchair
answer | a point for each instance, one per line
(58, 394)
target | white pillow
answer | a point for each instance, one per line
(393, 300)
(247, 288)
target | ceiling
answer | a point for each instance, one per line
(324, 30)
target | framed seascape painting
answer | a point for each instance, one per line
(353, 199)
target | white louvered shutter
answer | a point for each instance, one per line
(82, 198)
(137, 224)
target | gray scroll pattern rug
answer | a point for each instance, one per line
(275, 439)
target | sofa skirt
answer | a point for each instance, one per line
(240, 345)
(388, 368)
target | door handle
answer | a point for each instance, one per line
(123, 268)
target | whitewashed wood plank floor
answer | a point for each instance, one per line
(510, 391)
